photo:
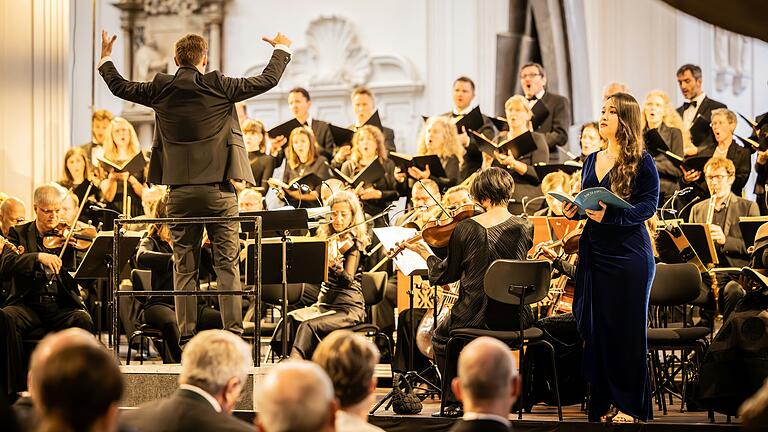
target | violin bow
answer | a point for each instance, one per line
(77, 217)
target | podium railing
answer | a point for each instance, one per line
(254, 293)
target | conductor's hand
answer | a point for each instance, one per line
(279, 39)
(106, 43)
(52, 262)
(597, 215)
(569, 209)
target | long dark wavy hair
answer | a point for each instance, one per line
(631, 145)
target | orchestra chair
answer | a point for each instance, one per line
(142, 281)
(272, 295)
(673, 286)
(373, 285)
(517, 283)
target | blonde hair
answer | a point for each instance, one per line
(670, 118)
(555, 179)
(718, 162)
(451, 144)
(293, 158)
(350, 360)
(360, 231)
(730, 117)
(374, 132)
(66, 179)
(110, 148)
(520, 102)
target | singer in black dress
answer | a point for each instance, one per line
(474, 245)
(616, 268)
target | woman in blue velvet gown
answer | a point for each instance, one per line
(616, 268)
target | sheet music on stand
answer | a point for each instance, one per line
(408, 262)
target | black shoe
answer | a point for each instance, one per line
(451, 411)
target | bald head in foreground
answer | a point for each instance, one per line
(296, 396)
(488, 384)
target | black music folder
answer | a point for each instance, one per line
(500, 123)
(135, 164)
(568, 167)
(755, 124)
(341, 136)
(520, 145)
(540, 113)
(404, 161)
(368, 175)
(472, 120)
(751, 144)
(284, 129)
(656, 144)
(303, 264)
(375, 120)
(700, 239)
(695, 162)
(699, 128)
(749, 226)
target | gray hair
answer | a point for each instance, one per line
(486, 368)
(212, 358)
(296, 396)
(730, 117)
(49, 194)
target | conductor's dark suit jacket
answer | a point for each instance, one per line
(197, 133)
(27, 273)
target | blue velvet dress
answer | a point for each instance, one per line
(613, 283)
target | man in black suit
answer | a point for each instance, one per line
(487, 384)
(553, 121)
(463, 93)
(299, 103)
(214, 371)
(720, 173)
(198, 148)
(34, 302)
(364, 105)
(696, 103)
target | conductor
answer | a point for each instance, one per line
(197, 148)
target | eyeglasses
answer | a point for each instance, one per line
(530, 75)
(49, 211)
(717, 177)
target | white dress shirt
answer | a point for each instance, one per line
(689, 115)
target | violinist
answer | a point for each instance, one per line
(76, 175)
(43, 294)
(341, 303)
(475, 243)
(367, 146)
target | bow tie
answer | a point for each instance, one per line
(692, 103)
(532, 98)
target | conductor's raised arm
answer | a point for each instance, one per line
(238, 89)
(138, 92)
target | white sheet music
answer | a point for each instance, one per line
(407, 261)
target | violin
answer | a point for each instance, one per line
(437, 233)
(80, 238)
(569, 242)
(339, 246)
(18, 250)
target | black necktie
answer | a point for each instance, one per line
(692, 103)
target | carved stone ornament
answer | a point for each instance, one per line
(333, 55)
(175, 7)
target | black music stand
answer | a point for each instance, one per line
(280, 223)
(97, 264)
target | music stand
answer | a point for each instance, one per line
(98, 262)
(281, 223)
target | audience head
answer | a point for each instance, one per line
(463, 92)
(493, 187)
(614, 87)
(439, 137)
(191, 50)
(299, 103)
(589, 139)
(421, 191)
(345, 212)
(12, 213)
(557, 181)
(47, 205)
(620, 122)
(457, 196)
(368, 144)
(720, 173)
(99, 123)
(533, 78)
(254, 135)
(689, 80)
(723, 123)
(296, 396)
(349, 359)
(302, 147)
(79, 390)
(77, 167)
(363, 104)
(250, 200)
(218, 362)
(518, 113)
(120, 136)
(51, 344)
(487, 380)
(754, 411)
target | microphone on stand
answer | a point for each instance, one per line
(95, 208)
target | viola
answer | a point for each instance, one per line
(18, 250)
(80, 238)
